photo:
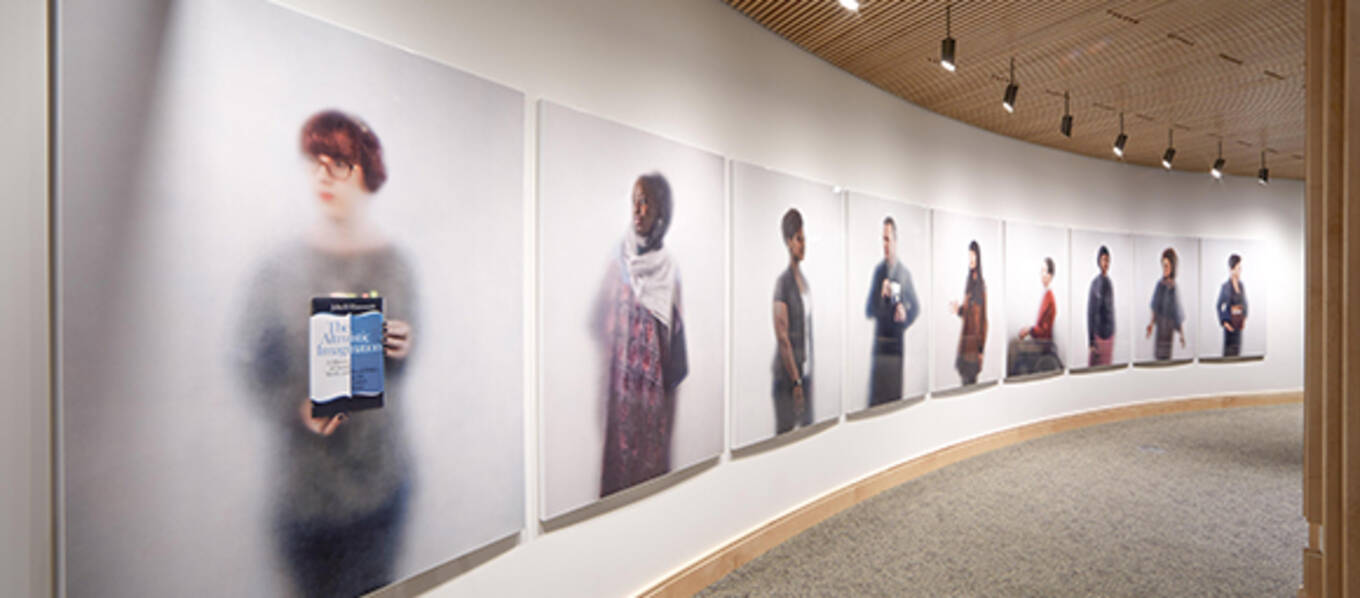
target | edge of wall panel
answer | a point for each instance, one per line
(711, 567)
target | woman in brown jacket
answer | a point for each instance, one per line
(973, 311)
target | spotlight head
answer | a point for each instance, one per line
(1119, 143)
(1263, 176)
(947, 54)
(1217, 170)
(1009, 102)
(1066, 127)
(1167, 157)
(850, 4)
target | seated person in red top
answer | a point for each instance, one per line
(1048, 309)
(1034, 351)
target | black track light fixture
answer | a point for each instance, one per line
(1217, 170)
(1066, 126)
(1122, 139)
(1170, 153)
(947, 44)
(1263, 175)
(1012, 89)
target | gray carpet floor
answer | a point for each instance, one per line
(1196, 504)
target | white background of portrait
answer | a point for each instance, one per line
(865, 248)
(1258, 267)
(952, 234)
(1085, 245)
(181, 172)
(587, 167)
(1026, 247)
(1147, 274)
(760, 197)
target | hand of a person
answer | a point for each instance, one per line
(1024, 332)
(322, 426)
(1149, 330)
(798, 402)
(1182, 340)
(1228, 326)
(900, 314)
(886, 290)
(397, 339)
(954, 307)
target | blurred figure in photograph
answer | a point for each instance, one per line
(1167, 315)
(792, 388)
(644, 333)
(972, 310)
(1100, 322)
(1036, 350)
(1232, 308)
(893, 306)
(342, 485)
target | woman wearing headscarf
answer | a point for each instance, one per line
(644, 333)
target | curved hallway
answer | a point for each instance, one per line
(1193, 504)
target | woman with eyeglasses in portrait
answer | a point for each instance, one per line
(340, 483)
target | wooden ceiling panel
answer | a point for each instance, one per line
(1230, 70)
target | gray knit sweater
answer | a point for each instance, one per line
(350, 473)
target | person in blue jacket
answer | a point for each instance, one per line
(893, 306)
(1232, 308)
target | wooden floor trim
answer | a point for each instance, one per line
(713, 566)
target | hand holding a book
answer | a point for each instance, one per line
(325, 425)
(397, 339)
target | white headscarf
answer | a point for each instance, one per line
(652, 275)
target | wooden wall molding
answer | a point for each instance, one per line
(713, 566)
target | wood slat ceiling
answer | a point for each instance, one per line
(1227, 69)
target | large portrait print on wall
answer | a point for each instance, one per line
(788, 300)
(1103, 302)
(1037, 306)
(1232, 319)
(1166, 298)
(969, 346)
(289, 271)
(887, 339)
(631, 298)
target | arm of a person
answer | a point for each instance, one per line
(1244, 302)
(676, 361)
(1093, 306)
(875, 295)
(1224, 304)
(982, 342)
(913, 306)
(781, 335)
(1108, 305)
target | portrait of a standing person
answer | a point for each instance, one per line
(792, 386)
(1232, 308)
(972, 310)
(644, 333)
(893, 306)
(1167, 315)
(342, 481)
(1100, 322)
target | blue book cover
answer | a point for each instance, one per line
(346, 354)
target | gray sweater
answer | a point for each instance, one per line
(355, 470)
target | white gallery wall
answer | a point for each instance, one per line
(700, 73)
(25, 464)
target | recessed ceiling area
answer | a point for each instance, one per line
(1229, 71)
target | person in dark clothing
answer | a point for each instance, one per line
(893, 306)
(1167, 315)
(1232, 308)
(792, 387)
(1100, 323)
(973, 311)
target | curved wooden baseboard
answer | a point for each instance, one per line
(712, 567)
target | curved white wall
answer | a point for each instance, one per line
(699, 72)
